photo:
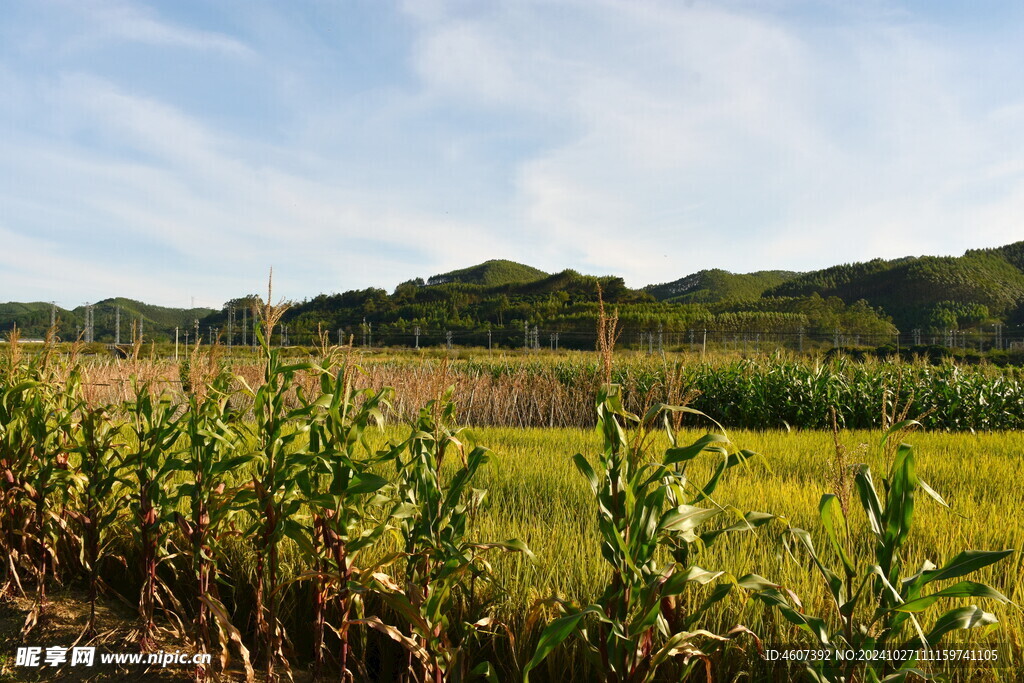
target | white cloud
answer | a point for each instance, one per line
(731, 137)
(645, 139)
(115, 20)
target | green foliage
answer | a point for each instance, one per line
(877, 607)
(490, 274)
(640, 622)
(280, 464)
(212, 496)
(150, 464)
(340, 488)
(98, 475)
(442, 565)
(910, 288)
(715, 285)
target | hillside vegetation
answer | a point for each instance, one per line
(715, 285)
(490, 273)
(500, 301)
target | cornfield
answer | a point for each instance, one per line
(238, 506)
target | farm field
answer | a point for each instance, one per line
(221, 499)
(536, 494)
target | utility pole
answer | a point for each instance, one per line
(231, 325)
(488, 341)
(448, 339)
(416, 331)
(245, 326)
(88, 324)
(117, 325)
(175, 344)
(526, 335)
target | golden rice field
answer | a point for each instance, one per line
(536, 494)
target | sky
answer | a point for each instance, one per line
(175, 151)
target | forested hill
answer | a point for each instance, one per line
(711, 286)
(928, 295)
(938, 292)
(490, 273)
(34, 318)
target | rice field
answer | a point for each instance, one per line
(536, 494)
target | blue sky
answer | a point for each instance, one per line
(171, 150)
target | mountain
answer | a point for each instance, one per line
(154, 316)
(158, 322)
(490, 274)
(33, 318)
(502, 299)
(925, 291)
(713, 286)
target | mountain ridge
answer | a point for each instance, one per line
(980, 289)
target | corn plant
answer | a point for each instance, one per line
(14, 453)
(156, 430)
(35, 440)
(642, 620)
(877, 607)
(279, 428)
(337, 486)
(442, 564)
(211, 455)
(101, 502)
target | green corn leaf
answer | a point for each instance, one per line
(832, 518)
(899, 511)
(965, 563)
(584, 467)
(961, 618)
(365, 483)
(556, 632)
(684, 518)
(685, 453)
(869, 499)
(963, 589)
